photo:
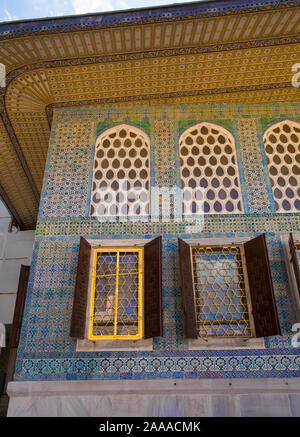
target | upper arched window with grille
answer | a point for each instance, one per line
(208, 164)
(282, 146)
(121, 173)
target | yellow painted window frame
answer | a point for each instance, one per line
(117, 250)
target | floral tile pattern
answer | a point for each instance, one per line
(46, 350)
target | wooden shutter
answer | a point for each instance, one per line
(153, 326)
(261, 288)
(15, 332)
(187, 289)
(294, 261)
(81, 290)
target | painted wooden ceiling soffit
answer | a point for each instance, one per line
(185, 35)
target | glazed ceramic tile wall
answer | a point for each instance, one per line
(46, 350)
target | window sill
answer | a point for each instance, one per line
(114, 345)
(226, 343)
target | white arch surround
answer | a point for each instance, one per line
(208, 162)
(282, 147)
(121, 175)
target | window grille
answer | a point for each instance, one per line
(124, 289)
(294, 250)
(297, 248)
(282, 146)
(227, 290)
(121, 173)
(220, 293)
(208, 163)
(116, 298)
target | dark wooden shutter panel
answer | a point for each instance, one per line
(15, 332)
(261, 288)
(294, 261)
(187, 289)
(81, 290)
(153, 326)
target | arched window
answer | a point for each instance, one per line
(121, 173)
(282, 146)
(209, 166)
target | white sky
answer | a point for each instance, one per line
(25, 9)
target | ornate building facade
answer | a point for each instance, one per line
(157, 155)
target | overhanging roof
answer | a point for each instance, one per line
(212, 52)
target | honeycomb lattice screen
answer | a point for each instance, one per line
(282, 146)
(209, 170)
(121, 173)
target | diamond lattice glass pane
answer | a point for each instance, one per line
(297, 249)
(116, 294)
(105, 288)
(128, 294)
(220, 294)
